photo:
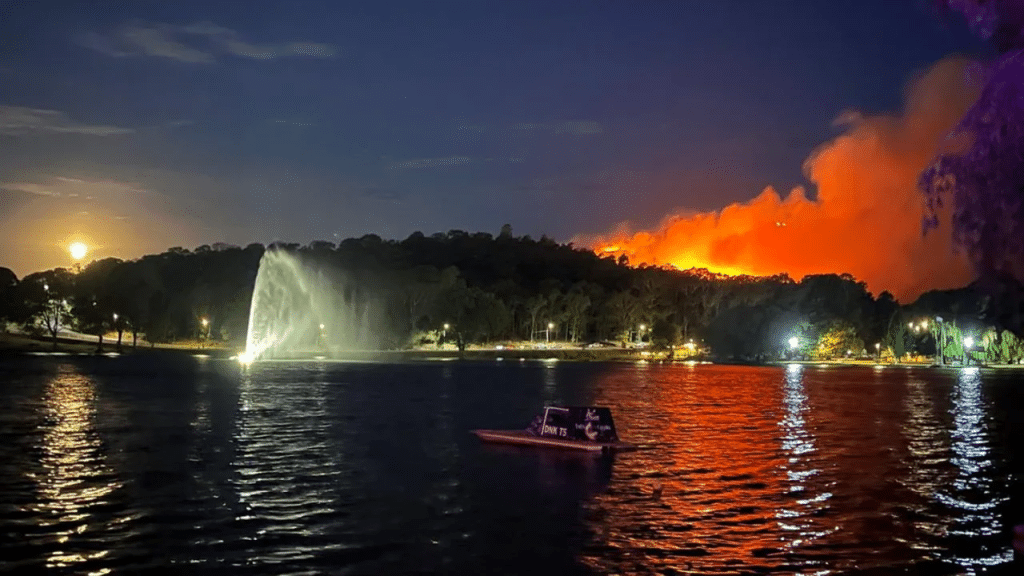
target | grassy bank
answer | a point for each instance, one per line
(22, 344)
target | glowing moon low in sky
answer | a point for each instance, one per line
(78, 250)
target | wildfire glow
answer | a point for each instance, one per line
(866, 217)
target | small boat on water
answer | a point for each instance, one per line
(572, 427)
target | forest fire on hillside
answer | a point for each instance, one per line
(866, 218)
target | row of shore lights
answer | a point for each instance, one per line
(205, 321)
(794, 342)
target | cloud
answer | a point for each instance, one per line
(446, 162)
(29, 188)
(866, 217)
(16, 120)
(160, 42)
(63, 186)
(573, 127)
(198, 43)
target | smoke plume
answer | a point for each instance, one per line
(865, 220)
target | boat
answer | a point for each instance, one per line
(587, 428)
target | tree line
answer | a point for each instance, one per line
(505, 288)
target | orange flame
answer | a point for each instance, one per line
(865, 220)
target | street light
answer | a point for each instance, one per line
(878, 350)
(794, 342)
(547, 334)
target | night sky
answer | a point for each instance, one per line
(139, 126)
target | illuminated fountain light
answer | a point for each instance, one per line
(300, 310)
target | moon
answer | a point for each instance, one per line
(78, 250)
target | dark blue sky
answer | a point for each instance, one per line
(138, 126)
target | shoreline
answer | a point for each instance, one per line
(16, 345)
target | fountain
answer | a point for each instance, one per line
(302, 309)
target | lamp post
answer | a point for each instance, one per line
(117, 328)
(878, 351)
(968, 342)
(547, 333)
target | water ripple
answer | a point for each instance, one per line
(116, 466)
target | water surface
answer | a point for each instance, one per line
(152, 463)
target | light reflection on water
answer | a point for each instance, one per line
(976, 492)
(285, 464)
(806, 501)
(800, 470)
(74, 480)
(324, 467)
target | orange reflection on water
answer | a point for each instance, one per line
(725, 478)
(74, 479)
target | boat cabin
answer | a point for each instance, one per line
(580, 423)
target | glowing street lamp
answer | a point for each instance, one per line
(878, 350)
(547, 334)
(794, 342)
(204, 333)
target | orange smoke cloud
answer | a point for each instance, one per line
(865, 220)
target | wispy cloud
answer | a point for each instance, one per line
(16, 120)
(29, 188)
(231, 42)
(200, 43)
(66, 187)
(572, 127)
(431, 162)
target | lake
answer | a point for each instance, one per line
(152, 463)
